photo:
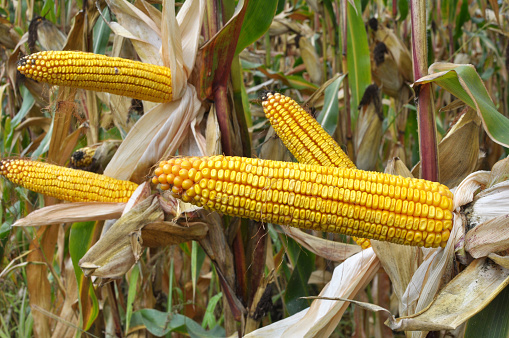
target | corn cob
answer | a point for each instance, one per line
(82, 158)
(100, 73)
(65, 183)
(302, 134)
(349, 201)
(298, 140)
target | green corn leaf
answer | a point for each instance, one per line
(464, 82)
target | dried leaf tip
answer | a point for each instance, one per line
(102, 73)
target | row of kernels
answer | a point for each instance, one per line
(374, 201)
(87, 60)
(283, 215)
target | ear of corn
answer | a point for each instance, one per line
(65, 183)
(100, 73)
(348, 201)
(302, 134)
(297, 137)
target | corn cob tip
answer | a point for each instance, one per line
(266, 94)
(348, 201)
(100, 73)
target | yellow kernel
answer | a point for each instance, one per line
(158, 171)
(183, 173)
(187, 183)
(177, 181)
(166, 169)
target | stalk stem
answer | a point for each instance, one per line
(423, 98)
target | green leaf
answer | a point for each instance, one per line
(492, 320)
(403, 9)
(131, 294)
(463, 17)
(161, 323)
(257, 20)
(80, 240)
(28, 103)
(303, 262)
(209, 318)
(464, 82)
(102, 33)
(358, 59)
(328, 118)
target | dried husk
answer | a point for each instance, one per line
(458, 152)
(49, 36)
(311, 60)
(368, 135)
(120, 247)
(398, 51)
(385, 71)
(169, 233)
(331, 250)
(323, 316)
(468, 293)
(273, 148)
(487, 213)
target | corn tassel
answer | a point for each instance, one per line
(348, 201)
(298, 139)
(65, 183)
(100, 73)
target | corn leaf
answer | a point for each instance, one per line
(464, 82)
(492, 321)
(298, 283)
(161, 323)
(359, 66)
(328, 118)
(131, 294)
(80, 240)
(259, 15)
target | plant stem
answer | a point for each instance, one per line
(423, 98)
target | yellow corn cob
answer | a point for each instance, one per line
(302, 134)
(298, 139)
(348, 201)
(65, 183)
(100, 73)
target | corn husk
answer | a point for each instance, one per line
(458, 152)
(386, 73)
(368, 135)
(398, 51)
(46, 33)
(323, 316)
(311, 60)
(119, 248)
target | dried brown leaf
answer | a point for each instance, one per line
(114, 254)
(311, 60)
(157, 134)
(468, 293)
(331, 250)
(168, 233)
(72, 212)
(323, 316)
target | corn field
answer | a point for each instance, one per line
(148, 188)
